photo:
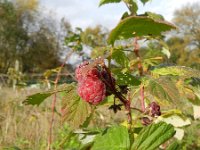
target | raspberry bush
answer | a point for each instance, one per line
(141, 88)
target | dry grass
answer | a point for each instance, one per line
(22, 126)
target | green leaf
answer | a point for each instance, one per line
(102, 2)
(127, 79)
(163, 89)
(151, 137)
(182, 71)
(154, 16)
(38, 98)
(133, 6)
(75, 110)
(144, 1)
(114, 138)
(174, 146)
(120, 57)
(138, 26)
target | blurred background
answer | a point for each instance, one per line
(37, 35)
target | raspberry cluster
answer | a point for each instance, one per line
(92, 83)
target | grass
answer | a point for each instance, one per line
(22, 126)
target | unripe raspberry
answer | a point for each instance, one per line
(154, 109)
(92, 90)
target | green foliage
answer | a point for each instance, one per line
(180, 71)
(94, 37)
(137, 26)
(174, 146)
(154, 16)
(113, 138)
(74, 110)
(103, 2)
(127, 79)
(73, 40)
(185, 49)
(120, 57)
(26, 38)
(38, 98)
(153, 136)
(132, 75)
(163, 89)
(144, 1)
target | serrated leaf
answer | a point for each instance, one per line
(115, 138)
(74, 110)
(103, 2)
(136, 26)
(153, 136)
(38, 98)
(182, 71)
(120, 57)
(163, 89)
(127, 79)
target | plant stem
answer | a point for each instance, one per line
(127, 103)
(140, 69)
(54, 100)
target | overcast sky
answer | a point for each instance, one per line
(84, 13)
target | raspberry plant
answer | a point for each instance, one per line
(122, 80)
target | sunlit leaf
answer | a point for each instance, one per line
(120, 57)
(127, 79)
(155, 16)
(136, 26)
(38, 98)
(163, 89)
(185, 72)
(74, 110)
(114, 138)
(153, 136)
(102, 2)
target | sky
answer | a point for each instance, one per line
(84, 13)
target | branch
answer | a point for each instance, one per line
(54, 100)
(140, 69)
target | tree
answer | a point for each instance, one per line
(186, 46)
(13, 36)
(29, 37)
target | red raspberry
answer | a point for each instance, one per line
(92, 90)
(78, 71)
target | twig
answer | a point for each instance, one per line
(119, 95)
(134, 108)
(140, 69)
(54, 100)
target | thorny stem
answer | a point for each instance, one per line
(54, 100)
(140, 69)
